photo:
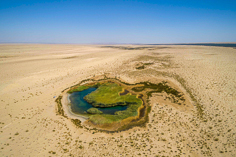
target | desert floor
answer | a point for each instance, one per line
(33, 76)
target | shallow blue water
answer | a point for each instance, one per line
(213, 44)
(205, 44)
(79, 105)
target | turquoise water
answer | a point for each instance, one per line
(79, 105)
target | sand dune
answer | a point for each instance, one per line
(32, 76)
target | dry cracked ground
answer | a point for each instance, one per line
(33, 76)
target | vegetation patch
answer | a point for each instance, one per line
(107, 95)
(59, 106)
(157, 88)
(141, 65)
(60, 111)
(77, 122)
(94, 111)
(83, 87)
(125, 92)
(131, 111)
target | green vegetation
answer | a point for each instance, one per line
(60, 111)
(78, 89)
(157, 88)
(94, 111)
(81, 88)
(131, 111)
(59, 106)
(107, 95)
(77, 122)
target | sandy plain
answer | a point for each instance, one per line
(33, 76)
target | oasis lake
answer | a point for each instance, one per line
(80, 106)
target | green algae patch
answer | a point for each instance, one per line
(107, 95)
(94, 111)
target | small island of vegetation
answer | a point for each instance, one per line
(94, 111)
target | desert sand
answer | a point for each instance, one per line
(33, 76)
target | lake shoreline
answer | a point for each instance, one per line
(65, 101)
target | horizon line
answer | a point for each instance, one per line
(183, 43)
